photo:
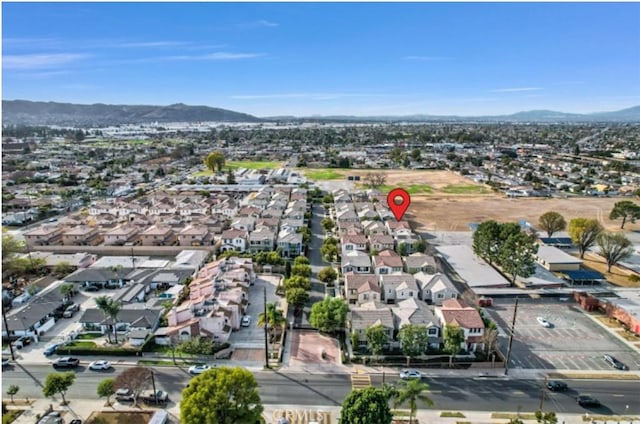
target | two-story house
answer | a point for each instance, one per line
(435, 288)
(290, 243)
(356, 261)
(121, 235)
(380, 242)
(159, 235)
(82, 235)
(397, 287)
(354, 242)
(362, 318)
(44, 236)
(262, 239)
(195, 235)
(387, 262)
(457, 312)
(234, 239)
(419, 262)
(361, 288)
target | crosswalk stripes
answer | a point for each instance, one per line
(360, 381)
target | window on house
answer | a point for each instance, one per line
(410, 294)
(440, 296)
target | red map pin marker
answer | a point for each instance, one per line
(400, 208)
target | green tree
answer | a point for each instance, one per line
(517, 255)
(10, 247)
(329, 252)
(415, 155)
(67, 290)
(377, 338)
(214, 160)
(297, 281)
(274, 317)
(487, 241)
(231, 177)
(110, 308)
(614, 247)
(106, 388)
(327, 275)
(366, 406)
(412, 392)
(583, 233)
(552, 222)
(453, 339)
(297, 296)
(58, 383)
(419, 246)
(221, 396)
(13, 390)
(414, 340)
(625, 209)
(327, 224)
(402, 249)
(546, 418)
(62, 269)
(301, 260)
(329, 315)
(301, 270)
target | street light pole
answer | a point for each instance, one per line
(266, 336)
(513, 327)
(6, 327)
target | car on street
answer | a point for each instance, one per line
(410, 374)
(615, 363)
(71, 309)
(246, 321)
(50, 349)
(21, 342)
(587, 400)
(198, 369)
(99, 365)
(66, 362)
(543, 322)
(557, 386)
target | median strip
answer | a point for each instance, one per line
(589, 376)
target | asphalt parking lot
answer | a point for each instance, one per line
(252, 337)
(574, 341)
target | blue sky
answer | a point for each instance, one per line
(327, 58)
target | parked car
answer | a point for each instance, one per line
(71, 309)
(615, 363)
(587, 400)
(543, 322)
(91, 288)
(557, 386)
(410, 374)
(66, 362)
(21, 342)
(124, 395)
(99, 365)
(5, 361)
(54, 417)
(198, 369)
(50, 349)
(246, 321)
(149, 396)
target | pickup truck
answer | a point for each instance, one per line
(148, 396)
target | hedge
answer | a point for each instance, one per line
(112, 351)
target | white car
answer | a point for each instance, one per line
(99, 365)
(246, 321)
(198, 369)
(543, 322)
(410, 374)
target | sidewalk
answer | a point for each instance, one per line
(297, 414)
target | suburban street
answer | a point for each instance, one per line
(448, 393)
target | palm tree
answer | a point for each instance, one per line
(413, 391)
(110, 308)
(274, 318)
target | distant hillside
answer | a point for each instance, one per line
(52, 113)
(625, 115)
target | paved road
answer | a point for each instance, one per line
(298, 388)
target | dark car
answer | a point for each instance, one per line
(66, 362)
(615, 363)
(557, 386)
(586, 400)
(91, 288)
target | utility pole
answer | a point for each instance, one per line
(153, 383)
(542, 391)
(266, 334)
(513, 328)
(6, 327)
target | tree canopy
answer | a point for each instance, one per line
(58, 383)
(453, 339)
(625, 209)
(221, 396)
(583, 233)
(412, 392)
(377, 338)
(414, 339)
(214, 161)
(551, 222)
(365, 406)
(329, 315)
(327, 275)
(614, 247)
(297, 296)
(106, 388)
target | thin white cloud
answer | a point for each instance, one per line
(262, 23)
(213, 56)
(41, 75)
(426, 58)
(150, 44)
(40, 61)
(515, 90)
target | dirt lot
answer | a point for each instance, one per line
(455, 212)
(436, 179)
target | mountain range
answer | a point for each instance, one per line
(25, 112)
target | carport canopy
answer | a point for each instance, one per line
(584, 276)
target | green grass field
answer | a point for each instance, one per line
(323, 174)
(465, 189)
